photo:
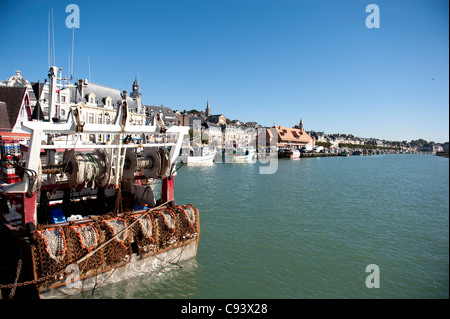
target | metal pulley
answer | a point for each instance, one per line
(85, 167)
(152, 163)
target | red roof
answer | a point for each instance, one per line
(292, 135)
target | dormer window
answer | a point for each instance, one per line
(108, 101)
(91, 98)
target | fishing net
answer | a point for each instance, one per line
(49, 250)
(87, 235)
(119, 249)
(55, 243)
(187, 221)
(166, 222)
(112, 239)
(82, 239)
(145, 233)
(118, 227)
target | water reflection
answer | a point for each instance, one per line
(172, 281)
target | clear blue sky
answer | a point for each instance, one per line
(273, 62)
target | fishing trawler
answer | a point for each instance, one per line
(78, 214)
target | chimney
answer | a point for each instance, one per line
(80, 88)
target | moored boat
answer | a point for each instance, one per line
(205, 156)
(291, 153)
(295, 154)
(238, 155)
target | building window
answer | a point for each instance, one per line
(63, 98)
(99, 119)
(63, 112)
(91, 98)
(91, 118)
(107, 120)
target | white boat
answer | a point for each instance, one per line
(205, 156)
(289, 153)
(295, 154)
(239, 155)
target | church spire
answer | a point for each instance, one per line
(136, 86)
(208, 110)
(137, 97)
(300, 126)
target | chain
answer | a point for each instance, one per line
(29, 282)
(13, 290)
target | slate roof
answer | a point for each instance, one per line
(168, 114)
(12, 98)
(4, 120)
(101, 93)
(215, 118)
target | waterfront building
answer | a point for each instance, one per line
(214, 134)
(292, 137)
(218, 119)
(183, 119)
(166, 113)
(15, 107)
(98, 104)
(238, 136)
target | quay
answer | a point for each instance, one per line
(318, 154)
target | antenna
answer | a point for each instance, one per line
(53, 35)
(48, 52)
(73, 41)
(89, 65)
(68, 68)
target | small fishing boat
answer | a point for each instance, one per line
(289, 153)
(95, 216)
(204, 156)
(295, 154)
(238, 155)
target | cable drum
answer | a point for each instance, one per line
(156, 162)
(85, 167)
(165, 162)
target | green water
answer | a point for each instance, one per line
(310, 230)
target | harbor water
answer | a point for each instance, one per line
(310, 230)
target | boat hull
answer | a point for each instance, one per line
(151, 239)
(295, 155)
(137, 266)
(200, 160)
